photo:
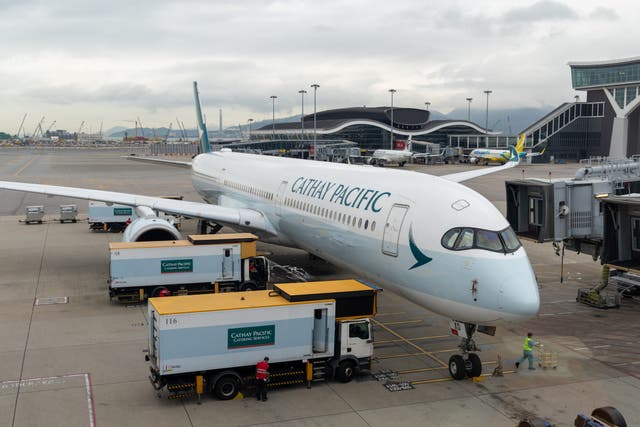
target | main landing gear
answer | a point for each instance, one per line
(468, 363)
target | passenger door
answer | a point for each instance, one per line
(392, 229)
(280, 197)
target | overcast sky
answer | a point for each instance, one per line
(114, 61)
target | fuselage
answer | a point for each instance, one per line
(393, 155)
(386, 226)
(489, 155)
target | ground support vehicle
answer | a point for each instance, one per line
(200, 264)
(34, 214)
(68, 213)
(110, 217)
(310, 331)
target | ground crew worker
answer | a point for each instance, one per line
(527, 353)
(262, 375)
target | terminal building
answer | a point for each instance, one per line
(606, 124)
(370, 129)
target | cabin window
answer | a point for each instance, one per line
(353, 223)
(373, 226)
(366, 224)
(360, 223)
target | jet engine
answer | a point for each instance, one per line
(149, 229)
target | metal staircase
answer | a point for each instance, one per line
(539, 132)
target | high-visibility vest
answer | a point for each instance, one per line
(527, 344)
(262, 370)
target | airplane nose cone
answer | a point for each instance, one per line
(519, 296)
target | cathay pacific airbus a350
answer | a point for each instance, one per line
(428, 238)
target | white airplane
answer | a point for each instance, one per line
(431, 239)
(381, 157)
(484, 156)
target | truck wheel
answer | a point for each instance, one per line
(473, 366)
(248, 286)
(401, 164)
(226, 388)
(160, 291)
(534, 422)
(346, 371)
(609, 415)
(457, 368)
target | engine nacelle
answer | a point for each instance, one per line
(150, 229)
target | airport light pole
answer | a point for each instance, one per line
(302, 92)
(486, 120)
(273, 116)
(392, 91)
(427, 105)
(315, 87)
(249, 121)
(469, 109)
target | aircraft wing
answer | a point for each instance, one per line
(156, 160)
(246, 218)
(514, 161)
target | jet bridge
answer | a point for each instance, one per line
(569, 210)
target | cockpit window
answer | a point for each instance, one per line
(510, 239)
(465, 241)
(458, 239)
(488, 240)
(449, 238)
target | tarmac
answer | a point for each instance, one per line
(70, 357)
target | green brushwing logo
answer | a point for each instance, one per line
(421, 258)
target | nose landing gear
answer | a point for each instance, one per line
(467, 364)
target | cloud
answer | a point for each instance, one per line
(544, 10)
(604, 13)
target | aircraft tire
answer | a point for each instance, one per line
(610, 415)
(457, 367)
(473, 366)
(401, 164)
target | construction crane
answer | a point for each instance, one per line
(21, 124)
(50, 126)
(38, 128)
(79, 130)
(141, 128)
(169, 131)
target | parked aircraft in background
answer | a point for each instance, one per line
(484, 156)
(429, 238)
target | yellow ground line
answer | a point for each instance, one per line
(439, 380)
(409, 342)
(404, 322)
(415, 371)
(26, 165)
(414, 339)
(390, 314)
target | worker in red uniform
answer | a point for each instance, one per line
(262, 375)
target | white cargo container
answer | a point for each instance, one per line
(68, 213)
(201, 264)
(34, 214)
(211, 343)
(110, 217)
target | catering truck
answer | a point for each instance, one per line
(110, 217)
(310, 331)
(200, 264)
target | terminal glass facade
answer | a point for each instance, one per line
(593, 76)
